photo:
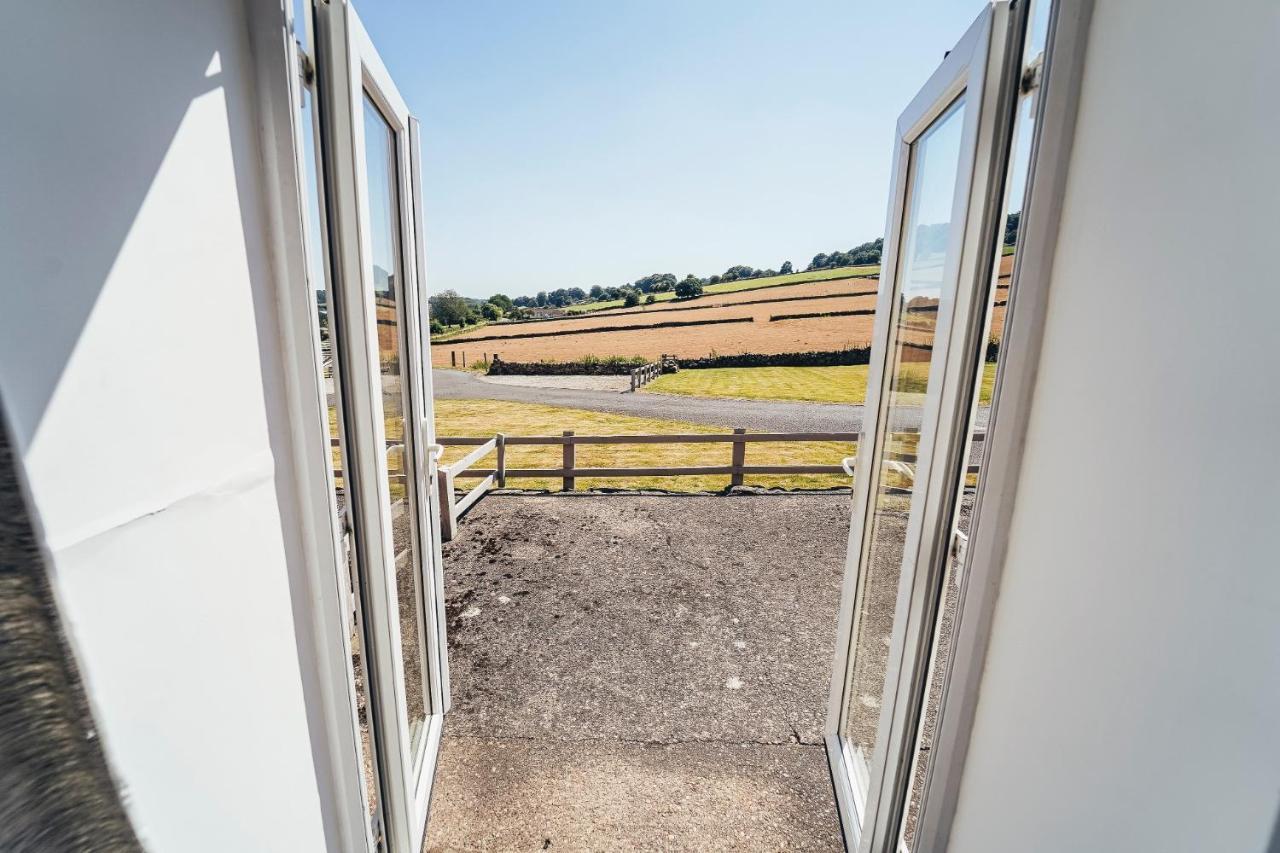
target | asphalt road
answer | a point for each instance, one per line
(759, 415)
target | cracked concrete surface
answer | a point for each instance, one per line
(640, 672)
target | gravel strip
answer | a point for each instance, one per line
(614, 384)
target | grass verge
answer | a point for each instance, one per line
(844, 384)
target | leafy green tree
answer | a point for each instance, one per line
(867, 253)
(541, 299)
(656, 283)
(597, 292)
(786, 268)
(449, 308)
(503, 302)
(650, 299)
(491, 312)
(631, 299)
(1011, 228)
(690, 288)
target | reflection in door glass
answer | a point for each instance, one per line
(924, 281)
(967, 480)
(381, 170)
(325, 308)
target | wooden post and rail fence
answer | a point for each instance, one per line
(452, 507)
(644, 374)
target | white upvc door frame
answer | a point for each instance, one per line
(977, 68)
(1057, 96)
(348, 67)
(324, 612)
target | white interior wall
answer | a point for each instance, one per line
(1131, 693)
(140, 370)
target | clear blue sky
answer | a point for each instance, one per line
(578, 143)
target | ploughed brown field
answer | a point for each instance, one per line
(818, 288)
(850, 294)
(760, 335)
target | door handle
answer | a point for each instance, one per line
(434, 452)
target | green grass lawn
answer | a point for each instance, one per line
(487, 417)
(743, 284)
(846, 384)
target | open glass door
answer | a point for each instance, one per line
(948, 169)
(370, 176)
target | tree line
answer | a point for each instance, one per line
(449, 310)
(865, 253)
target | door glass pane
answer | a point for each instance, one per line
(325, 302)
(923, 269)
(381, 171)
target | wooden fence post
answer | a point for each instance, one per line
(502, 461)
(567, 458)
(453, 358)
(448, 521)
(464, 358)
(739, 458)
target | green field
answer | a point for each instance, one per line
(487, 417)
(743, 284)
(846, 384)
(455, 331)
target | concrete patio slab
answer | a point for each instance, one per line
(640, 672)
(504, 794)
